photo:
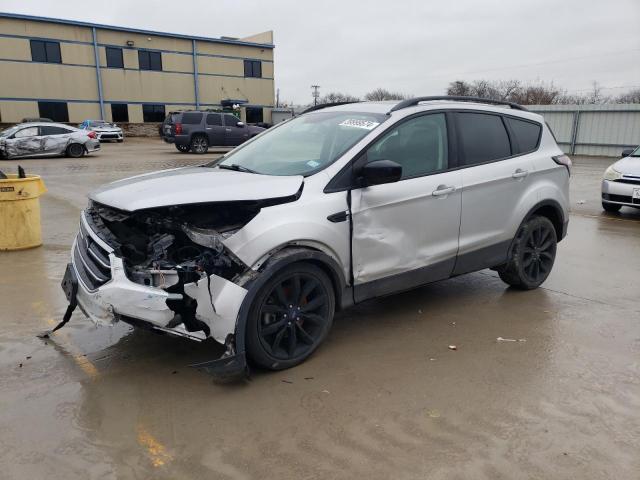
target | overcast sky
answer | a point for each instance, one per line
(411, 46)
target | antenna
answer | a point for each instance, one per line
(316, 93)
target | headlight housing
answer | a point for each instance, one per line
(612, 174)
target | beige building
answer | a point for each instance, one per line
(72, 71)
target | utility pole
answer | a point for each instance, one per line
(316, 93)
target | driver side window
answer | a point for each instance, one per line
(419, 145)
(27, 132)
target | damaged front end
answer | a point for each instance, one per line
(178, 253)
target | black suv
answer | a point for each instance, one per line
(194, 131)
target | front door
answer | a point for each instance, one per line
(406, 233)
(234, 134)
(215, 129)
(25, 142)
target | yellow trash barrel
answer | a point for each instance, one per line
(20, 212)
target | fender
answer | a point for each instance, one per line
(233, 365)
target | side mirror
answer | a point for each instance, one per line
(381, 171)
(627, 152)
(240, 124)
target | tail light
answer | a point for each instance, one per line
(563, 160)
(178, 127)
(91, 134)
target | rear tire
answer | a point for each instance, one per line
(199, 144)
(532, 255)
(75, 150)
(611, 207)
(290, 317)
(183, 148)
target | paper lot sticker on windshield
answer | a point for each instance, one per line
(366, 124)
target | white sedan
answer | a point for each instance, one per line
(104, 130)
(621, 183)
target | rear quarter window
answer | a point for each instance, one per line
(526, 134)
(483, 137)
(191, 118)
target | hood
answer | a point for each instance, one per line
(628, 166)
(192, 185)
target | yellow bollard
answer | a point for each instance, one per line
(20, 212)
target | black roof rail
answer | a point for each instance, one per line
(325, 105)
(457, 98)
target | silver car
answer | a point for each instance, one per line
(258, 249)
(103, 130)
(621, 183)
(46, 139)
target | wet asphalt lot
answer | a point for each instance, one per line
(383, 398)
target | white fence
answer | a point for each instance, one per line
(593, 129)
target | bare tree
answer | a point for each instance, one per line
(632, 96)
(380, 94)
(335, 97)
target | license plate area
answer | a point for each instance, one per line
(635, 198)
(70, 284)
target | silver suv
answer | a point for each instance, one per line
(341, 204)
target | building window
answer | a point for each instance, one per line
(114, 57)
(56, 111)
(253, 68)
(254, 115)
(119, 112)
(148, 60)
(48, 52)
(153, 113)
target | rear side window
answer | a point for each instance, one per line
(192, 118)
(483, 138)
(214, 119)
(526, 134)
(49, 130)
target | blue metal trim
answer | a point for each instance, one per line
(98, 75)
(128, 102)
(195, 74)
(48, 63)
(18, 16)
(30, 37)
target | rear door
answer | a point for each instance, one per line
(233, 134)
(54, 139)
(406, 233)
(495, 180)
(215, 129)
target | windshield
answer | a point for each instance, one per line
(9, 131)
(101, 124)
(304, 145)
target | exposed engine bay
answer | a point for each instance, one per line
(179, 249)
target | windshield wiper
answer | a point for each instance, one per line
(237, 168)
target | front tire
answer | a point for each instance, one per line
(290, 317)
(611, 207)
(75, 150)
(199, 144)
(532, 255)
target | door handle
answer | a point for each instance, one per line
(228, 129)
(209, 128)
(443, 190)
(519, 173)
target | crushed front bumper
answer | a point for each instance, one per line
(106, 299)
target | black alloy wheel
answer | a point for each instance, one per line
(75, 150)
(290, 317)
(199, 144)
(532, 255)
